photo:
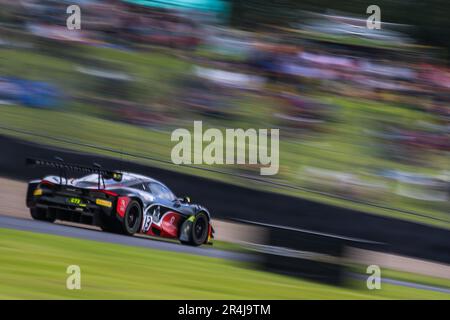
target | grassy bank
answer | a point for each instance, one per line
(344, 147)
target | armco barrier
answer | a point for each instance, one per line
(307, 254)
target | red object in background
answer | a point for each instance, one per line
(122, 204)
(210, 235)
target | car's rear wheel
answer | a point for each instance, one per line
(133, 218)
(40, 214)
(198, 231)
(131, 221)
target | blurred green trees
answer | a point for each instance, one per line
(430, 19)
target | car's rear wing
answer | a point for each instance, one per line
(64, 167)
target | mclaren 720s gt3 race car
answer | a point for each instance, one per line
(118, 202)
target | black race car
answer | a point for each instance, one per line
(118, 202)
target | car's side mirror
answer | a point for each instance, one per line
(187, 200)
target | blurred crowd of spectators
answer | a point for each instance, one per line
(103, 22)
(294, 75)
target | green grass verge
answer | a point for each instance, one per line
(33, 266)
(404, 276)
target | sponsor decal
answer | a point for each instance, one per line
(76, 201)
(104, 203)
(147, 221)
(122, 204)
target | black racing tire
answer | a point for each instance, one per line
(132, 219)
(40, 214)
(199, 231)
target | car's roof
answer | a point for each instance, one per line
(129, 178)
(134, 177)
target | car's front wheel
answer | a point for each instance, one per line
(40, 214)
(198, 231)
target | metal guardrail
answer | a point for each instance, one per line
(227, 173)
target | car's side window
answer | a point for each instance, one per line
(139, 186)
(168, 195)
(160, 191)
(154, 189)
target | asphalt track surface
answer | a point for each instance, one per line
(98, 235)
(405, 284)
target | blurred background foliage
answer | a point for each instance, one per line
(364, 117)
(430, 21)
